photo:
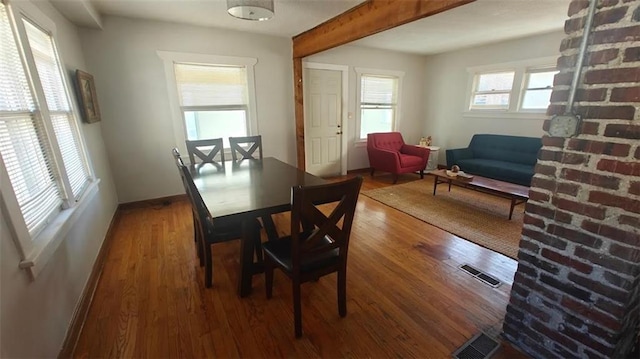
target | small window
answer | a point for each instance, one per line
(537, 89)
(378, 103)
(213, 100)
(492, 90)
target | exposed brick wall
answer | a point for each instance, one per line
(576, 292)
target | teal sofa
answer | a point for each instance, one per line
(502, 157)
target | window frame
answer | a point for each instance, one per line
(516, 95)
(398, 75)
(179, 125)
(35, 250)
(525, 86)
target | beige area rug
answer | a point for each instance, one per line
(478, 217)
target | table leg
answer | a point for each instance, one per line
(449, 185)
(270, 227)
(250, 237)
(435, 184)
(513, 204)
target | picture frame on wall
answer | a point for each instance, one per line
(88, 97)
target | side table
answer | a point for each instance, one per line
(432, 164)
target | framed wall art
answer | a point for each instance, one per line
(88, 98)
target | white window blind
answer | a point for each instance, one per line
(208, 85)
(24, 145)
(50, 74)
(378, 101)
(493, 90)
(377, 90)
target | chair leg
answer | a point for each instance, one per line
(199, 245)
(268, 276)
(208, 264)
(372, 171)
(342, 292)
(395, 178)
(421, 174)
(297, 308)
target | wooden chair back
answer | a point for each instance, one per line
(238, 144)
(321, 232)
(196, 148)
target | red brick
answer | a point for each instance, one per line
(574, 236)
(589, 128)
(621, 112)
(631, 132)
(634, 188)
(565, 287)
(553, 110)
(571, 189)
(566, 62)
(544, 183)
(570, 43)
(576, 6)
(547, 155)
(629, 221)
(553, 141)
(637, 154)
(566, 261)
(608, 199)
(544, 238)
(625, 168)
(598, 287)
(597, 212)
(585, 339)
(563, 217)
(538, 196)
(609, 16)
(616, 234)
(541, 315)
(554, 335)
(605, 261)
(570, 158)
(624, 34)
(598, 147)
(617, 281)
(545, 170)
(631, 54)
(533, 221)
(563, 79)
(609, 182)
(610, 307)
(626, 253)
(625, 94)
(538, 263)
(593, 314)
(613, 75)
(529, 245)
(602, 56)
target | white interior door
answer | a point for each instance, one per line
(323, 121)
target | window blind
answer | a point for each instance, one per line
(62, 119)
(209, 85)
(378, 90)
(23, 140)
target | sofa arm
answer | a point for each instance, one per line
(384, 160)
(415, 151)
(455, 155)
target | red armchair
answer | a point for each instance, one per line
(388, 152)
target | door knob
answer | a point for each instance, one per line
(338, 133)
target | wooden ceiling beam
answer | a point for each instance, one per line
(368, 18)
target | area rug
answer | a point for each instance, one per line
(478, 217)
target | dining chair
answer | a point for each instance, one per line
(245, 147)
(211, 233)
(196, 227)
(198, 148)
(321, 246)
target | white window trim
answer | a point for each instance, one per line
(171, 57)
(36, 252)
(398, 113)
(517, 91)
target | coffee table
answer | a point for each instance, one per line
(518, 194)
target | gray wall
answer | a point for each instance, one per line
(35, 315)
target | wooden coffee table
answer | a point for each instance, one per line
(516, 193)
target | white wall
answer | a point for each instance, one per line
(446, 81)
(132, 92)
(411, 116)
(35, 315)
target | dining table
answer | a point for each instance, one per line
(243, 191)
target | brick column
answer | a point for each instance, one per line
(576, 291)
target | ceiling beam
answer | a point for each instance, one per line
(368, 18)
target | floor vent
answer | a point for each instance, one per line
(481, 276)
(481, 346)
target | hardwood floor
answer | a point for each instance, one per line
(406, 296)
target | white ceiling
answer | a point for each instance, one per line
(477, 23)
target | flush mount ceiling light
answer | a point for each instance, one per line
(257, 10)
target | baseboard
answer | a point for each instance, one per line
(155, 202)
(358, 171)
(81, 312)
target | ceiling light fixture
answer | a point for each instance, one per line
(257, 10)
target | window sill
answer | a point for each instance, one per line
(50, 238)
(505, 115)
(360, 143)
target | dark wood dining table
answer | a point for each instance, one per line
(245, 190)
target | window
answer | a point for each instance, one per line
(517, 90)
(493, 90)
(378, 101)
(211, 96)
(41, 149)
(537, 89)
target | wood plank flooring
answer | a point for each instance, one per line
(406, 295)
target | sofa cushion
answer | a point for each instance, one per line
(409, 160)
(500, 170)
(388, 141)
(515, 149)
